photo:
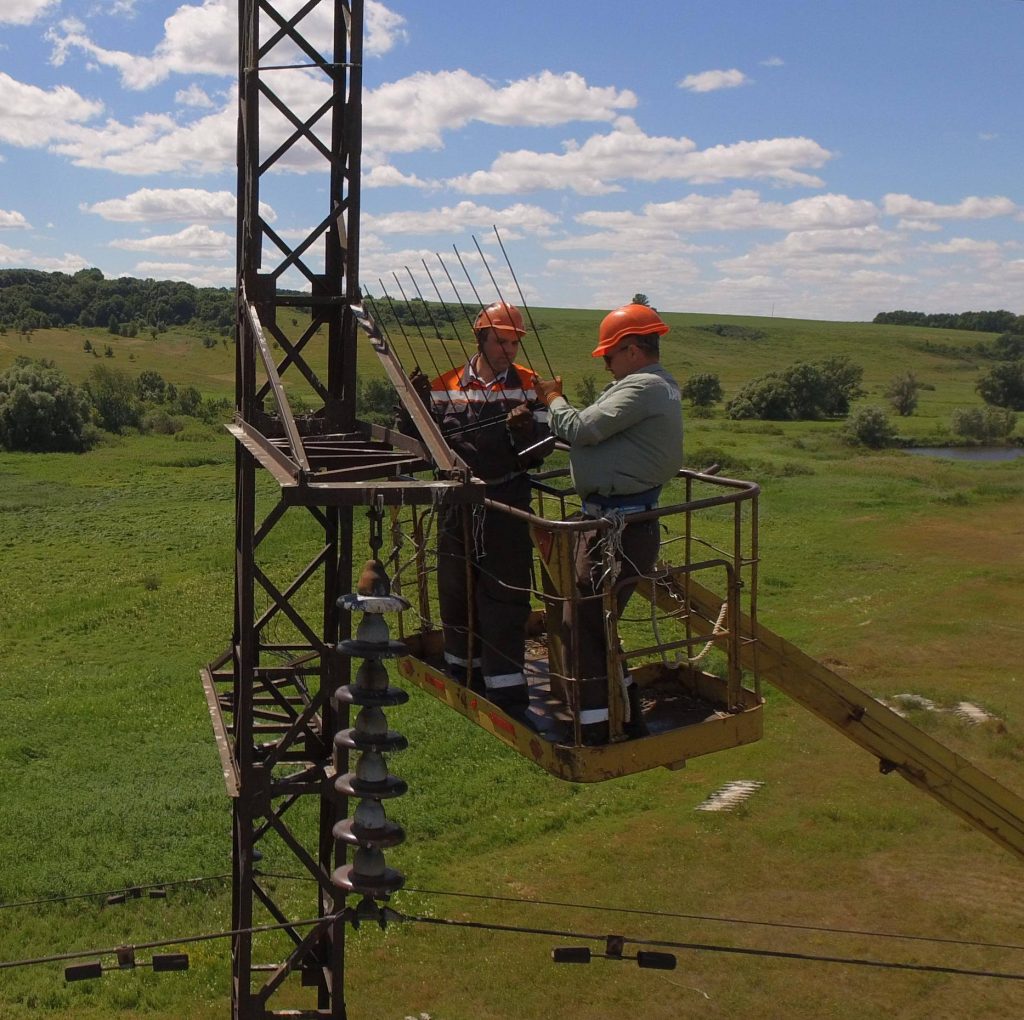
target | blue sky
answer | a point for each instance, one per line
(804, 158)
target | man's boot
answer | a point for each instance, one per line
(636, 727)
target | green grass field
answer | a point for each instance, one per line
(903, 573)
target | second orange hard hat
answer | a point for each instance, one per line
(629, 320)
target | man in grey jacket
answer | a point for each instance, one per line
(624, 448)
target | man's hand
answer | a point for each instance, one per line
(520, 420)
(547, 389)
(421, 384)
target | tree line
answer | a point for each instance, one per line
(42, 411)
(32, 299)
(1000, 321)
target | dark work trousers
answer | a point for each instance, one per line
(498, 552)
(639, 552)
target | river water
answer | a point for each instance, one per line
(969, 452)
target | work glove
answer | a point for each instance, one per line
(421, 384)
(520, 421)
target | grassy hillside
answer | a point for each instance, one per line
(901, 572)
(745, 348)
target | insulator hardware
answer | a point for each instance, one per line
(368, 910)
(370, 830)
(570, 954)
(614, 945)
(161, 963)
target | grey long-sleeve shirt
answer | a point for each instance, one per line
(629, 440)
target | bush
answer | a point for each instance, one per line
(588, 390)
(702, 390)
(1003, 385)
(159, 421)
(803, 391)
(869, 427)
(215, 410)
(188, 400)
(42, 411)
(376, 401)
(196, 433)
(902, 393)
(114, 397)
(983, 423)
(151, 387)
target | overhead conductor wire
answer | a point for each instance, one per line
(570, 904)
(673, 915)
(521, 930)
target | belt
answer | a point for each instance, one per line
(596, 505)
(595, 510)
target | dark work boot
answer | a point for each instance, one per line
(513, 701)
(636, 727)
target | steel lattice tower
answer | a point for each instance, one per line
(298, 478)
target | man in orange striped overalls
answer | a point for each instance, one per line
(495, 400)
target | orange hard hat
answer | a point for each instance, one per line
(502, 318)
(629, 320)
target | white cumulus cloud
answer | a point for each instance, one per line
(31, 116)
(12, 220)
(627, 153)
(712, 81)
(461, 217)
(194, 242)
(203, 39)
(387, 176)
(23, 12)
(415, 112)
(152, 205)
(970, 208)
(193, 96)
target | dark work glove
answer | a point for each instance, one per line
(421, 384)
(520, 421)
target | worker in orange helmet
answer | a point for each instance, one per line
(624, 448)
(498, 400)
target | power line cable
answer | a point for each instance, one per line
(673, 915)
(126, 890)
(522, 930)
(824, 929)
(182, 940)
(710, 948)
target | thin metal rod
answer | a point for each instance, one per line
(401, 326)
(458, 336)
(378, 318)
(415, 320)
(497, 290)
(522, 300)
(476, 293)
